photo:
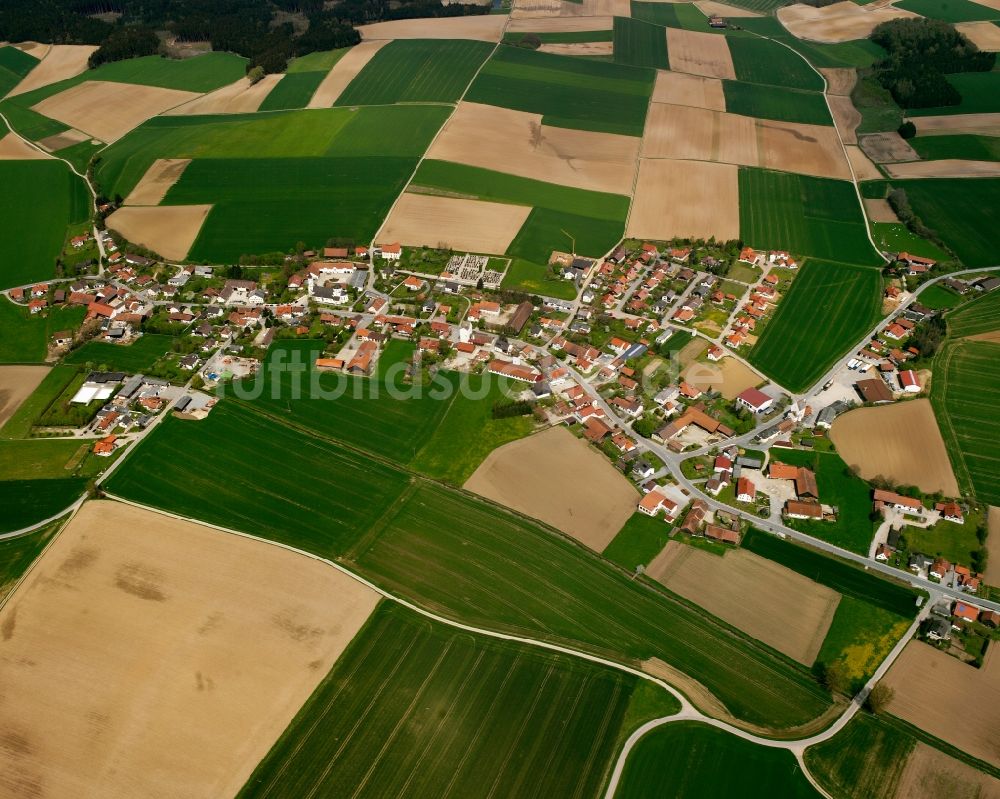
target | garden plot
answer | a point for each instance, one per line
(169, 230)
(840, 22)
(699, 53)
(155, 184)
(343, 72)
(900, 442)
(60, 62)
(107, 110)
(696, 199)
(454, 224)
(192, 650)
(751, 593)
(517, 143)
(557, 478)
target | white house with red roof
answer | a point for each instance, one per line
(755, 400)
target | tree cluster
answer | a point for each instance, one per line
(125, 43)
(901, 205)
(919, 53)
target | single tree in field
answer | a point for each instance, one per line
(880, 697)
(256, 75)
(835, 678)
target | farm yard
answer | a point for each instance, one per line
(415, 706)
(949, 699)
(827, 309)
(900, 442)
(962, 394)
(584, 496)
(687, 760)
(220, 638)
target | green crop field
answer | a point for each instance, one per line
(24, 338)
(265, 478)
(897, 237)
(47, 458)
(202, 73)
(468, 560)
(52, 386)
(17, 554)
(28, 502)
(295, 90)
(688, 760)
(38, 201)
(857, 53)
(841, 576)
(863, 761)
(560, 37)
(860, 636)
(982, 315)
(804, 215)
(14, 65)
(662, 14)
(838, 487)
(358, 411)
(937, 297)
(757, 5)
(639, 43)
(980, 95)
(417, 708)
(763, 61)
(546, 230)
(775, 102)
(135, 357)
(28, 123)
(828, 308)
(950, 10)
(638, 542)
(322, 61)
(960, 212)
(269, 204)
(572, 93)
(417, 70)
(977, 148)
(963, 394)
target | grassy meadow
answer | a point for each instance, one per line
(417, 71)
(804, 215)
(638, 542)
(136, 357)
(860, 636)
(38, 202)
(688, 760)
(419, 708)
(571, 93)
(828, 308)
(24, 337)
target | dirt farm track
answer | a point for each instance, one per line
(146, 657)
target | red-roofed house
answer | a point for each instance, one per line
(755, 399)
(965, 612)
(746, 491)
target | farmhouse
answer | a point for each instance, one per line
(389, 252)
(724, 534)
(950, 512)
(795, 509)
(805, 479)
(965, 612)
(874, 390)
(890, 499)
(513, 371)
(755, 400)
(653, 502)
(746, 491)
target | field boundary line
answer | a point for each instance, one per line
(17, 584)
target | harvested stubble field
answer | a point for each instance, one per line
(62, 61)
(946, 125)
(582, 494)
(840, 22)
(14, 148)
(699, 53)
(827, 309)
(804, 215)
(992, 574)
(169, 230)
(520, 143)
(559, 24)
(945, 168)
(985, 35)
(241, 97)
(687, 760)
(108, 110)
(949, 699)
(155, 184)
(729, 376)
(880, 211)
(711, 204)
(568, 92)
(417, 708)
(487, 28)
(193, 650)
(453, 224)
(598, 49)
(16, 385)
(17, 554)
(963, 393)
(930, 774)
(470, 561)
(343, 73)
(320, 500)
(424, 70)
(900, 442)
(751, 593)
(676, 88)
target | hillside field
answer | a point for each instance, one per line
(804, 215)
(38, 201)
(982, 315)
(688, 760)
(963, 394)
(417, 70)
(828, 308)
(570, 93)
(27, 502)
(419, 708)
